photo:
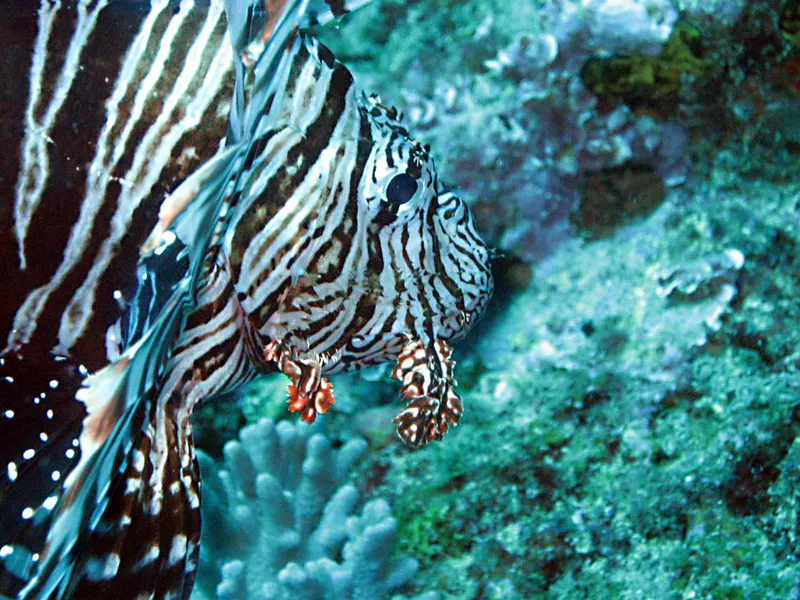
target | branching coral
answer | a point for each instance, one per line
(279, 522)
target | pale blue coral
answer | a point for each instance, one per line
(280, 521)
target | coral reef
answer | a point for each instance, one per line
(279, 521)
(631, 405)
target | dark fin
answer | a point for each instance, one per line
(148, 537)
(40, 421)
(120, 402)
(128, 522)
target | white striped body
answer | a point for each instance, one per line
(123, 101)
(319, 228)
(107, 106)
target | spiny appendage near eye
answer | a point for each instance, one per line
(428, 386)
(309, 392)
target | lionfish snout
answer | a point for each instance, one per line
(468, 257)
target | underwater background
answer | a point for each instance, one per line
(631, 397)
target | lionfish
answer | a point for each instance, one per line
(195, 194)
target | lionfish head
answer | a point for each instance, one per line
(343, 249)
(437, 276)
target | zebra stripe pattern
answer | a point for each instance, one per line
(159, 497)
(158, 84)
(107, 120)
(317, 240)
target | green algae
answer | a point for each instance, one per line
(650, 82)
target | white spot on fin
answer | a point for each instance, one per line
(98, 569)
(178, 550)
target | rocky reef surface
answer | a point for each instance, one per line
(632, 399)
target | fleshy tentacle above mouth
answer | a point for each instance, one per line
(309, 392)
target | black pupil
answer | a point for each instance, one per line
(401, 188)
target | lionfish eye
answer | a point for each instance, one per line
(401, 188)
